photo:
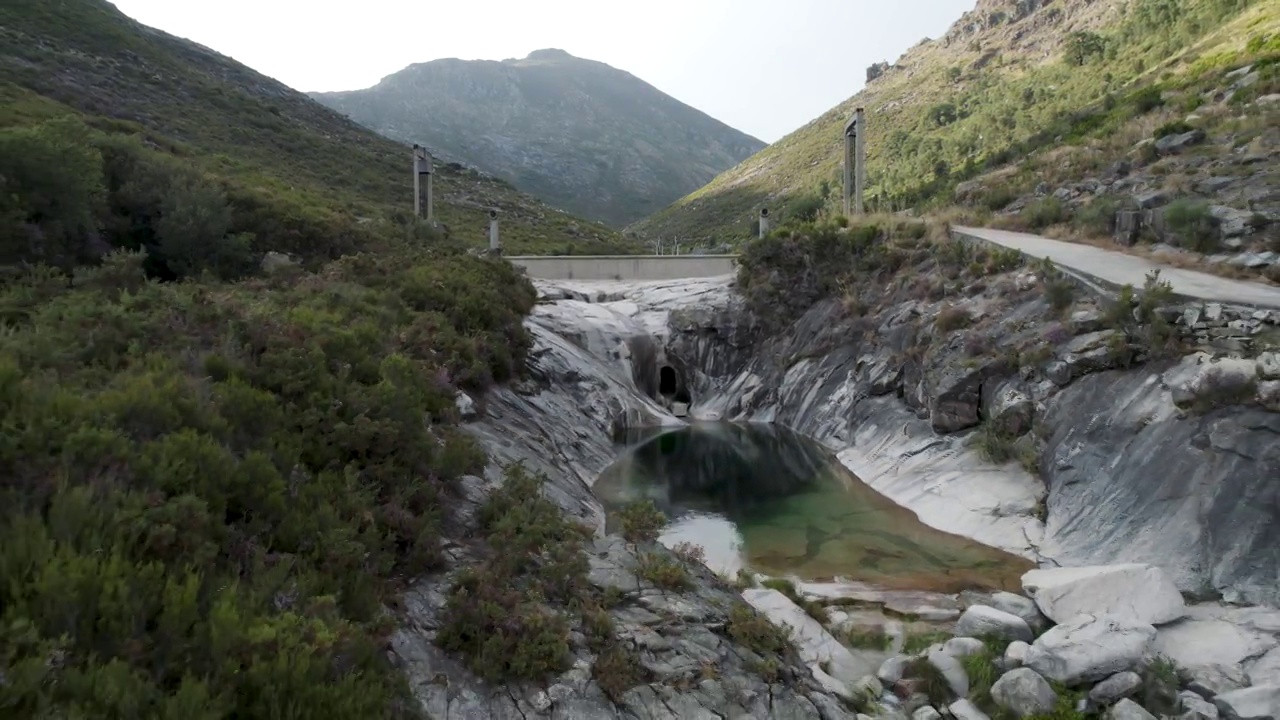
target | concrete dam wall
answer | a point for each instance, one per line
(625, 267)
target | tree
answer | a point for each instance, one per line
(1083, 45)
(943, 114)
(51, 193)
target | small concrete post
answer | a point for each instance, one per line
(495, 245)
(764, 222)
(422, 165)
(855, 175)
(860, 160)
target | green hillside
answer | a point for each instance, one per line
(268, 144)
(217, 474)
(1008, 79)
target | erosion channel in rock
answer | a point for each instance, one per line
(762, 497)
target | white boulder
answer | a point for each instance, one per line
(1023, 692)
(1116, 687)
(979, 621)
(1090, 648)
(1128, 710)
(816, 645)
(1140, 593)
(1016, 654)
(965, 710)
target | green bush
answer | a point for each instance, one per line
(753, 630)
(1044, 212)
(642, 521)
(952, 318)
(1176, 127)
(665, 572)
(496, 616)
(1192, 224)
(210, 488)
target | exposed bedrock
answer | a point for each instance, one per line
(1129, 475)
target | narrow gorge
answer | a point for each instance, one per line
(1129, 456)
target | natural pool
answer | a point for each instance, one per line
(768, 499)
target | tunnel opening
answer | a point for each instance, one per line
(668, 382)
(672, 390)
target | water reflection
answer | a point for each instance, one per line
(769, 499)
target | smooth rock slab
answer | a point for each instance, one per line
(1264, 670)
(1024, 693)
(815, 644)
(1260, 703)
(1210, 642)
(1089, 648)
(1140, 593)
(980, 620)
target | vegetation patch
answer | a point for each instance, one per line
(641, 521)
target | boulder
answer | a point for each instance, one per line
(1016, 654)
(1195, 707)
(926, 713)
(1261, 702)
(1143, 594)
(965, 710)
(1117, 687)
(1090, 648)
(952, 670)
(1152, 199)
(963, 646)
(1128, 710)
(1173, 144)
(1008, 408)
(1023, 692)
(892, 669)
(1269, 365)
(1020, 605)
(980, 621)
(1128, 225)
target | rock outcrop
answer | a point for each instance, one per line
(852, 384)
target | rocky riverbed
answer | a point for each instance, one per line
(1133, 463)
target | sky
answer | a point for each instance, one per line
(765, 67)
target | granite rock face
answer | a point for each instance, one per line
(1200, 515)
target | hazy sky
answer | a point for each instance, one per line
(765, 67)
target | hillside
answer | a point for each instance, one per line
(577, 133)
(269, 142)
(1008, 81)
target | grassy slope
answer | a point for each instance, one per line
(1012, 89)
(83, 56)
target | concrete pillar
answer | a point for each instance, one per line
(764, 222)
(849, 132)
(495, 245)
(422, 165)
(859, 161)
(855, 174)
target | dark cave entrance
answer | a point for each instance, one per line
(667, 381)
(671, 386)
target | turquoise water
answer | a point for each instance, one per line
(770, 500)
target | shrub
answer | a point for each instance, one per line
(753, 630)
(1098, 218)
(952, 318)
(1192, 224)
(935, 684)
(642, 521)
(870, 638)
(1177, 127)
(1044, 212)
(665, 572)
(496, 616)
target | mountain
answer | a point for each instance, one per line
(84, 58)
(1009, 80)
(577, 133)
